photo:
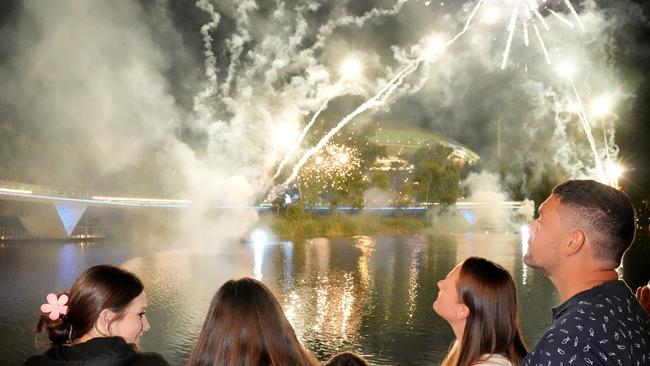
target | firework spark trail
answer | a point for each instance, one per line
(561, 18)
(575, 14)
(539, 16)
(511, 32)
(467, 23)
(236, 43)
(210, 58)
(585, 125)
(542, 44)
(378, 99)
(327, 29)
(530, 10)
(390, 87)
(526, 39)
(606, 143)
(268, 56)
(296, 146)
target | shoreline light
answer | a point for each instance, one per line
(18, 191)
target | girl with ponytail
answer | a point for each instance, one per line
(98, 322)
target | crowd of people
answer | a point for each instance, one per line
(578, 240)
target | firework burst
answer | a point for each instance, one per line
(331, 167)
(527, 15)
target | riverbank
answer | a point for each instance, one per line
(343, 225)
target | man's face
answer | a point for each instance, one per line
(546, 233)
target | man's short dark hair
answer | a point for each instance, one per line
(606, 211)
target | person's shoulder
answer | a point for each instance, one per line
(150, 359)
(555, 344)
(33, 361)
(493, 360)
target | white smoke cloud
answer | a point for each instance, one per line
(88, 78)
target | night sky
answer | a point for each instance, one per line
(462, 100)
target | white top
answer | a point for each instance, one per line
(493, 360)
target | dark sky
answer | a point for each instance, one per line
(633, 137)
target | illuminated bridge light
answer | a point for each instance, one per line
(19, 191)
(141, 200)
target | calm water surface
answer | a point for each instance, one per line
(370, 295)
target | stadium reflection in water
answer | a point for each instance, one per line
(370, 295)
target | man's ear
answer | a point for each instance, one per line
(574, 242)
(462, 312)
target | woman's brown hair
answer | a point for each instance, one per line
(492, 326)
(245, 326)
(97, 288)
(346, 359)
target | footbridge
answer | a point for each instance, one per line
(54, 213)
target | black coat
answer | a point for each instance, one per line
(108, 351)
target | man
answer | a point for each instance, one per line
(578, 241)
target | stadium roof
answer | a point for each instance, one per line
(402, 140)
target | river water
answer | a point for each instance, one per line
(370, 295)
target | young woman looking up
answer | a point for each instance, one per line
(478, 299)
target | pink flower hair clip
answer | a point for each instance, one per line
(55, 307)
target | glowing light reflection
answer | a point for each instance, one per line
(414, 275)
(525, 236)
(259, 239)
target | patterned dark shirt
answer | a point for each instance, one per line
(604, 325)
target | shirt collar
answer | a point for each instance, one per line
(615, 288)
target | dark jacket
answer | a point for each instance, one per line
(108, 351)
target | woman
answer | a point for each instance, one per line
(245, 325)
(478, 299)
(98, 322)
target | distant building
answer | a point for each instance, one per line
(401, 142)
